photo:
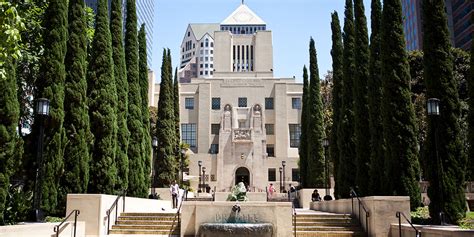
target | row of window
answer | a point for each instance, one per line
(205, 52)
(206, 73)
(189, 136)
(206, 65)
(295, 174)
(243, 29)
(241, 102)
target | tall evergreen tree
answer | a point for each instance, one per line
(470, 79)
(346, 144)
(337, 77)
(374, 84)
(447, 162)
(120, 75)
(136, 177)
(360, 91)
(9, 115)
(76, 119)
(51, 86)
(102, 106)
(165, 163)
(303, 149)
(176, 115)
(143, 75)
(315, 174)
(399, 126)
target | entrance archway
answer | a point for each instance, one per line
(242, 174)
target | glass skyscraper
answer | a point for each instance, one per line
(145, 10)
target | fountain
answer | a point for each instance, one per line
(236, 224)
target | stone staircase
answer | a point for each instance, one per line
(147, 224)
(323, 224)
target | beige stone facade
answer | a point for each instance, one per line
(242, 123)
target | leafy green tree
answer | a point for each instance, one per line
(50, 85)
(360, 90)
(102, 94)
(136, 177)
(446, 164)
(120, 75)
(374, 84)
(303, 149)
(346, 144)
(9, 115)
(76, 120)
(143, 75)
(165, 163)
(10, 25)
(315, 173)
(398, 115)
(336, 53)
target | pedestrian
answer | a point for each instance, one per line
(315, 197)
(271, 190)
(174, 190)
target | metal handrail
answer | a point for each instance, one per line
(114, 207)
(399, 215)
(367, 213)
(76, 213)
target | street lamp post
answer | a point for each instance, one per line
(434, 112)
(283, 163)
(326, 167)
(183, 153)
(281, 187)
(204, 178)
(155, 146)
(42, 112)
(200, 176)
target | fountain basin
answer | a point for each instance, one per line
(236, 229)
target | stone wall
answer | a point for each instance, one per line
(430, 231)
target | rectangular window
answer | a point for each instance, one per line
(188, 134)
(200, 73)
(295, 133)
(271, 150)
(213, 177)
(201, 65)
(189, 103)
(242, 101)
(269, 103)
(272, 174)
(295, 175)
(296, 103)
(214, 149)
(206, 73)
(202, 44)
(215, 127)
(216, 103)
(270, 128)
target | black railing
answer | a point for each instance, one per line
(57, 228)
(399, 216)
(114, 207)
(361, 204)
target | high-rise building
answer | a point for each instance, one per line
(145, 10)
(241, 123)
(458, 12)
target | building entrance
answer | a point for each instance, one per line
(242, 174)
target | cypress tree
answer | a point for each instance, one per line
(102, 106)
(446, 164)
(360, 91)
(165, 163)
(374, 84)
(303, 149)
(346, 144)
(9, 116)
(399, 126)
(120, 75)
(176, 114)
(143, 75)
(76, 119)
(136, 176)
(51, 86)
(470, 79)
(337, 78)
(315, 174)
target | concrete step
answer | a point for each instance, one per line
(147, 218)
(145, 222)
(322, 223)
(146, 227)
(144, 232)
(323, 215)
(327, 228)
(330, 220)
(147, 214)
(330, 234)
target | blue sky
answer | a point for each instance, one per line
(292, 23)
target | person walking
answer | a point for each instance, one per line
(271, 190)
(174, 190)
